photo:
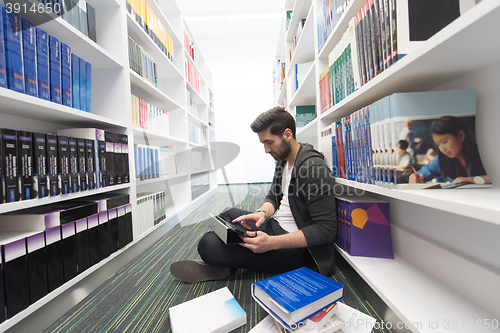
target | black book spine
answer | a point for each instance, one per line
(124, 158)
(40, 165)
(37, 267)
(102, 163)
(82, 163)
(9, 159)
(63, 164)
(52, 179)
(15, 270)
(25, 165)
(110, 162)
(113, 230)
(118, 159)
(82, 245)
(90, 163)
(53, 251)
(69, 251)
(93, 239)
(73, 165)
(394, 32)
(104, 235)
(128, 223)
(77, 210)
(91, 23)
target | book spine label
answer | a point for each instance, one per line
(89, 144)
(42, 63)
(52, 175)
(75, 81)
(73, 165)
(63, 164)
(10, 171)
(29, 40)
(55, 69)
(66, 75)
(13, 51)
(82, 163)
(25, 160)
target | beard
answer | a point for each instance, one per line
(283, 151)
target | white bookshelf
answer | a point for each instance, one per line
(113, 83)
(444, 266)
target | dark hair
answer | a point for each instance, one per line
(276, 119)
(403, 144)
(449, 166)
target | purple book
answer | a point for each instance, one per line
(368, 226)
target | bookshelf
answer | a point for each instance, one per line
(113, 84)
(441, 238)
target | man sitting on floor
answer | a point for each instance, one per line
(302, 231)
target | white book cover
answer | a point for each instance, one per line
(217, 312)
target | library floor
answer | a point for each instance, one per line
(137, 298)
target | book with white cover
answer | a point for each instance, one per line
(216, 312)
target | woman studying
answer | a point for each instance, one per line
(458, 158)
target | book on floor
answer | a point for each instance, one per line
(217, 311)
(293, 296)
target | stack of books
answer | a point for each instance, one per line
(153, 162)
(141, 62)
(150, 117)
(151, 209)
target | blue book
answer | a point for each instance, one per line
(55, 69)
(13, 51)
(3, 73)
(334, 156)
(29, 54)
(42, 63)
(83, 86)
(75, 81)
(88, 86)
(294, 296)
(66, 75)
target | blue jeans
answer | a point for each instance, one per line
(213, 251)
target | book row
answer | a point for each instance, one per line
(328, 15)
(381, 33)
(81, 16)
(151, 209)
(364, 227)
(419, 137)
(197, 134)
(191, 103)
(296, 38)
(38, 64)
(188, 44)
(153, 162)
(37, 165)
(148, 20)
(37, 260)
(299, 72)
(148, 116)
(192, 75)
(141, 62)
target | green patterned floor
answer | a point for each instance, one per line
(137, 298)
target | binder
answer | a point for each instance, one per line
(68, 245)
(93, 239)
(53, 250)
(82, 245)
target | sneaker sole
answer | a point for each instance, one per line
(191, 271)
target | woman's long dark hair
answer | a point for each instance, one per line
(449, 166)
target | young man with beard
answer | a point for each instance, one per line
(295, 226)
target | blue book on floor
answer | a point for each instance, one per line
(88, 86)
(83, 86)
(29, 54)
(13, 51)
(42, 63)
(75, 81)
(294, 296)
(66, 75)
(55, 69)
(3, 73)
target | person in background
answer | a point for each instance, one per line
(404, 165)
(458, 158)
(294, 227)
